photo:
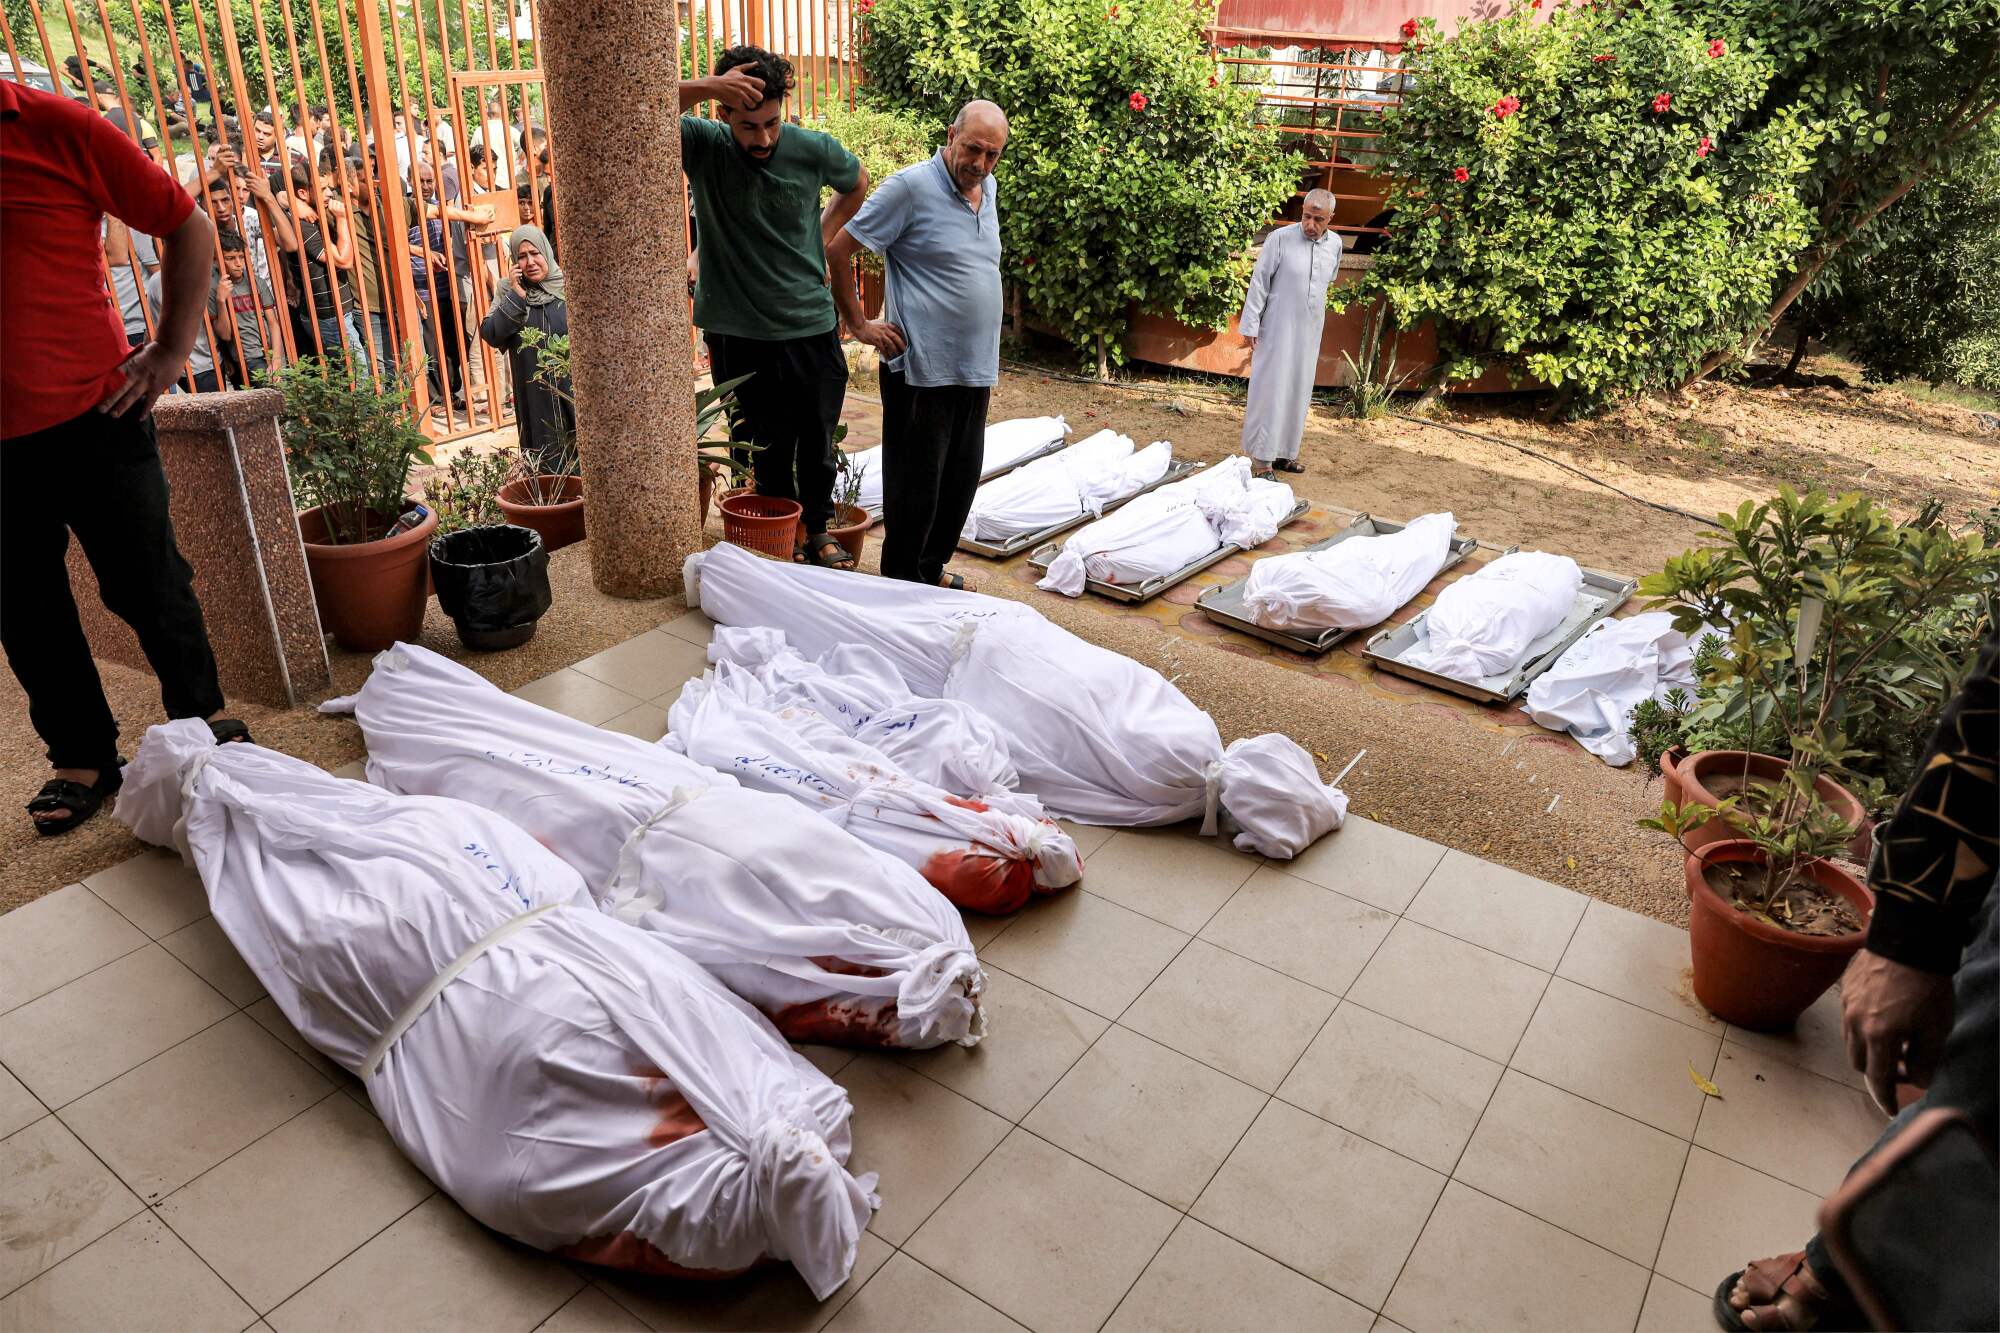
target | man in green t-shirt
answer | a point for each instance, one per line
(762, 300)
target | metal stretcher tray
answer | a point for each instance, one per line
(1224, 604)
(1178, 471)
(1053, 446)
(1600, 595)
(1045, 556)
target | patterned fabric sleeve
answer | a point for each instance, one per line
(1935, 859)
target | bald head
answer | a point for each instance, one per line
(973, 145)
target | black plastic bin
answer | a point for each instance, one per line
(493, 582)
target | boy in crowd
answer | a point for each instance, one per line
(240, 325)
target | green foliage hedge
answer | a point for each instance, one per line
(1133, 177)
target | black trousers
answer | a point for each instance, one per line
(790, 405)
(933, 445)
(99, 477)
(447, 363)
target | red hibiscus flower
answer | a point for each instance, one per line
(1137, 101)
(1599, 60)
(1703, 148)
(1213, 81)
(1506, 107)
(863, 6)
(1534, 4)
(1718, 49)
(1662, 102)
(1461, 175)
(1409, 28)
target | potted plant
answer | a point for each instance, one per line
(547, 492)
(491, 576)
(711, 405)
(850, 521)
(349, 447)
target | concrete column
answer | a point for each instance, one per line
(612, 85)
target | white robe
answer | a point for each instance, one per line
(1285, 311)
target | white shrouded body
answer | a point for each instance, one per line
(1080, 480)
(577, 1084)
(1483, 624)
(1353, 584)
(1592, 689)
(1172, 527)
(1007, 442)
(835, 941)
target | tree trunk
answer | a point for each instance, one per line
(1103, 359)
(1798, 353)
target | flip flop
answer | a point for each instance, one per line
(1289, 465)
(81, 801)
(229, 731)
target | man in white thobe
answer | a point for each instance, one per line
(1283, 316)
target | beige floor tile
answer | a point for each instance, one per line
(272, 1019)
(591, 1311)
(140, 1277)
(982, 929)
(829, 1060)
(18, 1106)
(1815, 1042)
(1044, 1237)
(58, 938)
(647, 721)
(1672, 1308)
(575, 695)
(773, 1298)
(1636, 958)
(1088, 950)
(1224, 1010)
(906, 1297)
(1035, 1038)
(180, 1113)
(210, 956)
(1148, 1115)
(291, 1205)
(1203, 1282)
(1338, 1208)
(1483, 1266)
(693, 626)
(1312, 934)
(1786, 1122)
(1087, 837)
(1619, 1055)
(1384, 1324)
(1168, 874)
(154, 891)
(922, 1137)
(55, 1198)
(1382, 866)
(1402, 1088)
(106, 1022)
(1527, 919)
(1465, 994)
(1595, 1173)
(434, 1268)
(647, 665)
(1726, 1215)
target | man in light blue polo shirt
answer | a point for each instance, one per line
(937, 227)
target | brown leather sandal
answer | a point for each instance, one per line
(1767, 1282)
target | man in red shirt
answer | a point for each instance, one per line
(77, 450)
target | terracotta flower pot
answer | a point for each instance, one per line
(369, 594)
(561, 523)
(851, 530)
(1692, 778)
(1755, 974)
(765, 524)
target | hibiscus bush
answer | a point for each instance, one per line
(1584, 198)
(1133, 177)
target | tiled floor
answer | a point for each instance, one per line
(1383, 1086)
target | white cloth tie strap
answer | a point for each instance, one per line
(1211, 797)
(623, 896)
(422, 1000)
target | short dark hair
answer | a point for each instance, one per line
(265, 117)
(476, 154)
(228, 240)
(316, 111)
(774, 70)
(532, 135)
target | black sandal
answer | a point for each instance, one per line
(817, 546)
(228, 731)
(82, 802)
(1289, 465)
(955, 582)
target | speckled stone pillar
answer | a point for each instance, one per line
(233, 520)
(612, 86)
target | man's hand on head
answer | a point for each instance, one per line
(739, 89)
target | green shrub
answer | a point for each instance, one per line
(886, 140)
(349, 446)
(466, 494)
(1584, 198)
(1133, 177)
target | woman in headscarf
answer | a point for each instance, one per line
(533, 299)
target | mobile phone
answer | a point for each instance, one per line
(1915, 1227)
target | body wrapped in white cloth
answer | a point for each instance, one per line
(1080, 480)
(573, 1082)
(981, 858)
(1007, 442)
(1352, 584)
(1483, 624)
(1096, 736)
(833, 940)
(1592, 689)
(1172, 527)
